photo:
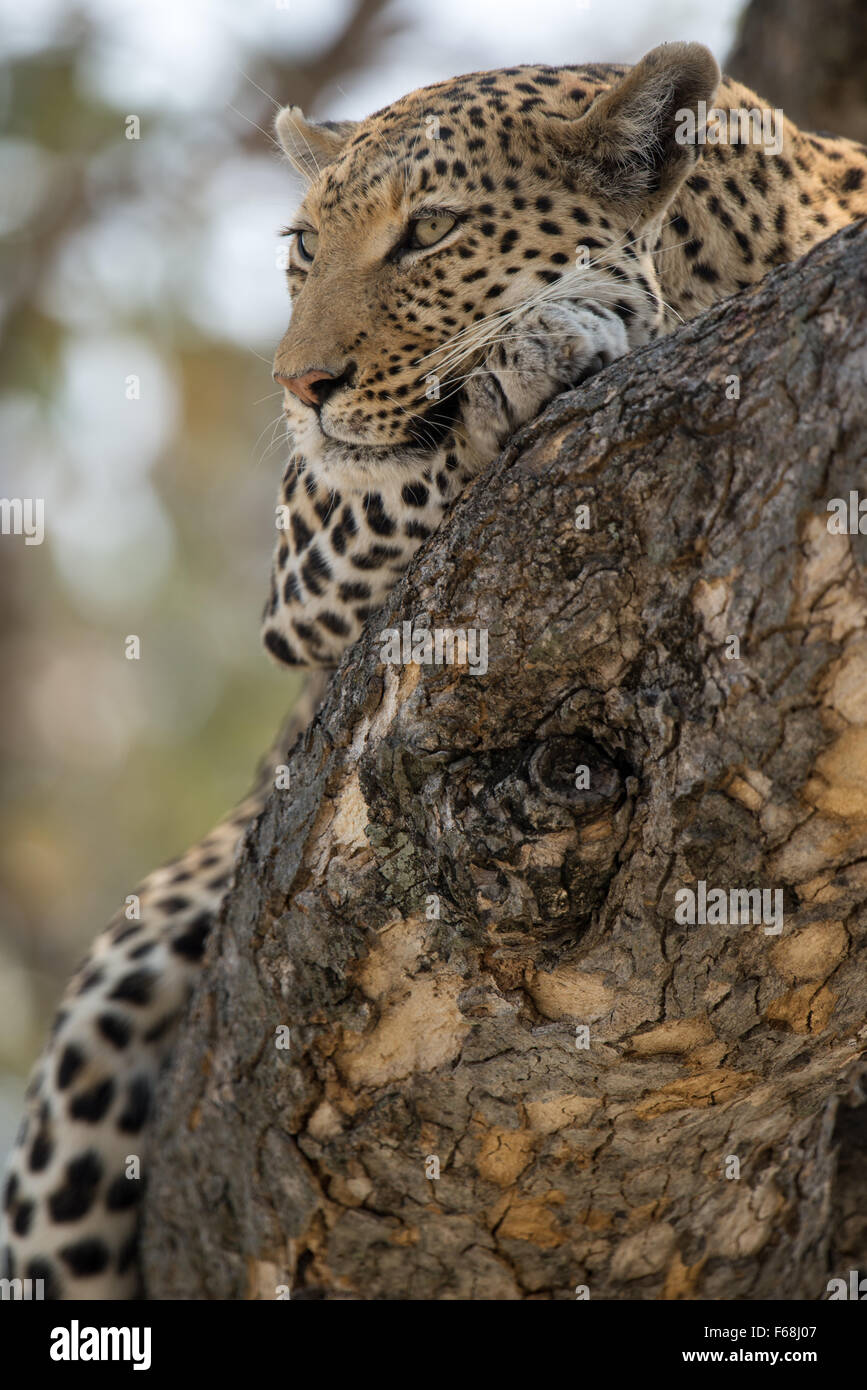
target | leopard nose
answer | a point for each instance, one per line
(311, 387)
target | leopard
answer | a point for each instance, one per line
(458, 259)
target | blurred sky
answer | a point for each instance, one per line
(162, 53)
(158, 260)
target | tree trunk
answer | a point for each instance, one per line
(809, 57)
(701, 650)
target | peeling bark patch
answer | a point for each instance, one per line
(550, 1114)
(351, 817)
(749, 1223)
(695, 1092)
(803, 1010)
(839, 784)
(535, 1220)
(419, 1033)
(570, 993)
(503, 1154)
(811, 954)
(644, 1254)
(392, 958)
(680, 1035)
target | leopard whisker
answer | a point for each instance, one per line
(275, 143)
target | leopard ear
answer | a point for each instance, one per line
(310, 145)
(636, 144)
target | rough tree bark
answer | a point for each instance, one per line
(455, 1038)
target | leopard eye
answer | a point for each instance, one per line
(427, 231)
(307, 243)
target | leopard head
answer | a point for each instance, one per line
(427, 229)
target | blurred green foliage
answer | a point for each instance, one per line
(111, 766)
